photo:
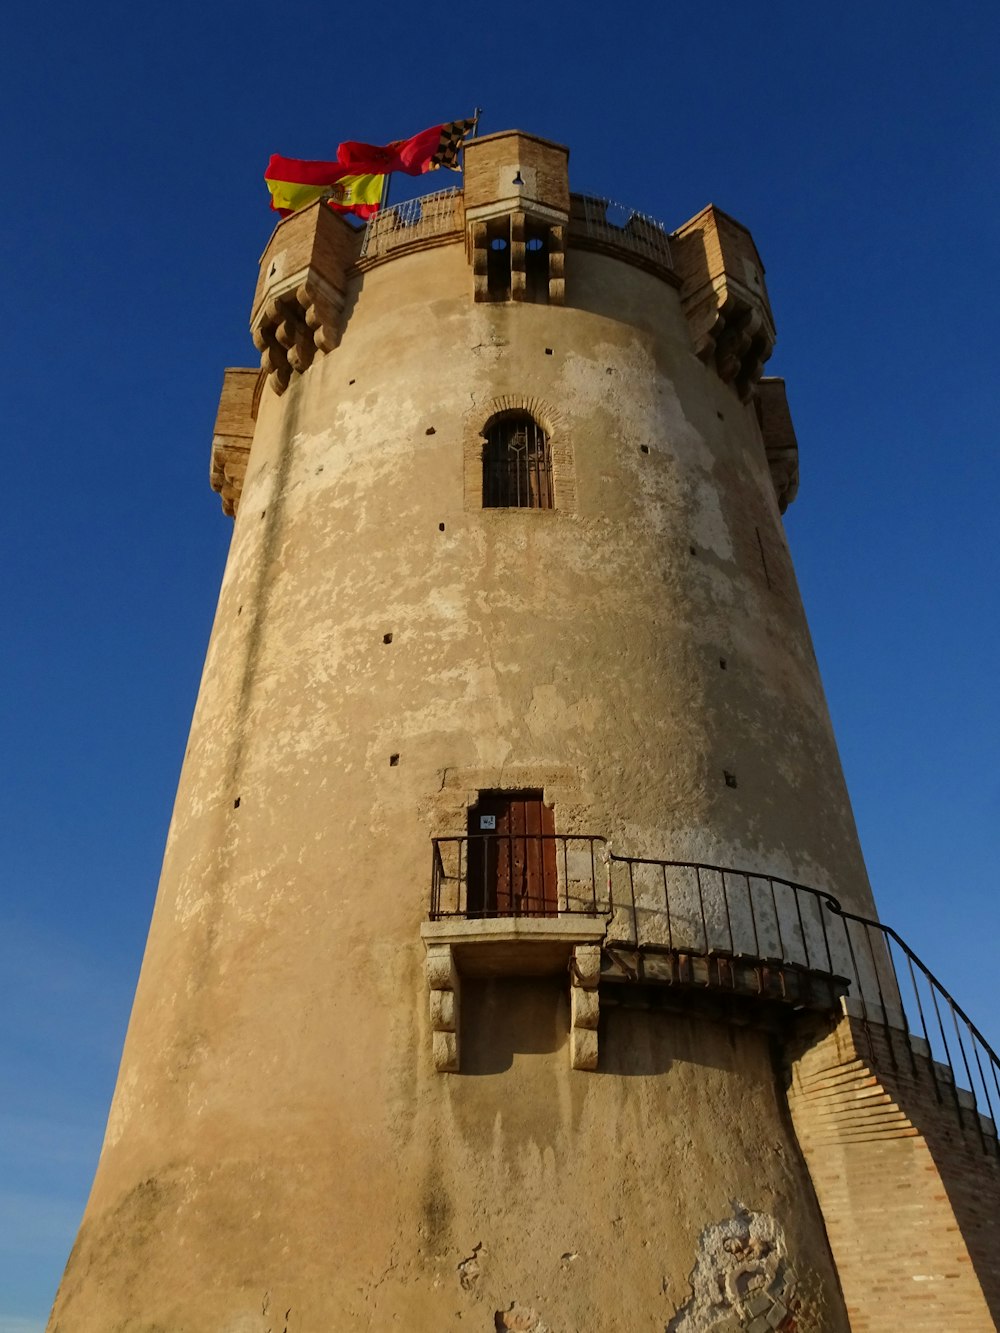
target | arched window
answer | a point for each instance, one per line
(517, 464)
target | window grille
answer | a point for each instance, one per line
(517, 464)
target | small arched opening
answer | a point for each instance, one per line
(517, 463)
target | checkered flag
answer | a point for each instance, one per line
(452, 135)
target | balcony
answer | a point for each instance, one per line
(633, 930)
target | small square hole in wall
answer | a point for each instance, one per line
(430, 431)
(387, 638)
(393, 760)
(644, 448)
(693, 550)
(722, 664)
(352, 381)
(730, 779)
(440, 527)
(236, 803)
(548, 351)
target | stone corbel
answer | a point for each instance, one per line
(445, 999)
(293, 325)
(229, 467)
(518, 254)
(735, 335)
(585, 1005)
(557, 265)
(480, 260)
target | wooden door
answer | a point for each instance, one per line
(512, 856)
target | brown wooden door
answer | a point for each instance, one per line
(512, 856)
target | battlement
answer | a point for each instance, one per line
(517, 221)
(517, 218)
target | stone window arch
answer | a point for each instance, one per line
(518, 456)
(517, 463)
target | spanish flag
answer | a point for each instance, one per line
(426, 151)
(294, 183)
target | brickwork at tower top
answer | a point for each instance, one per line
(517, 218)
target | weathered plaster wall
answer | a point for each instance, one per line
(278, 1140)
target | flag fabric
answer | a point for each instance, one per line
(360, 194)
(433, 148)
(294, 183)
(353, 183)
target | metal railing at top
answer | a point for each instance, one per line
(611, 223)
(688, 909)
(414, 220)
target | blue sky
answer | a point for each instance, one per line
(858, 142)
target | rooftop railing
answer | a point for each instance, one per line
(716, 927)
(413, 220)
(607, 222)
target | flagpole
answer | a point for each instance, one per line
(475, 132)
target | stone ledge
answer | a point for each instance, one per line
(514, 946)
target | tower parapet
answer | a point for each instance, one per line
(299, 303)
(233, 434)
(724, 297)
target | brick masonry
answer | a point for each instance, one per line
(910, 1197)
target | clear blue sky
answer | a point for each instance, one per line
(860, 144)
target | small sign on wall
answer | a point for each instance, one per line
(487, 822)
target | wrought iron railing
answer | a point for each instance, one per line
(518, 874)
(611, 223)
(921, 1041)
(717, 911)
(735, 923)
(414, 220)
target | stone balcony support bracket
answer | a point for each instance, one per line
(513, 947)
(445, 1001)
(584, 1005)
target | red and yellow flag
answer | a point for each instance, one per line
(353, 183)
(426, 151)
(294, 183)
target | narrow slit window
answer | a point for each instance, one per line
(517, 464)
(498, 260)
(536, 267)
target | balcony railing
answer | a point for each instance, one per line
(414, 220)
(715, 927)
(513, 875)
(609, 223)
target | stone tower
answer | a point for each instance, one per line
(493, 980)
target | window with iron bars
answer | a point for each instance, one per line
(517, 464)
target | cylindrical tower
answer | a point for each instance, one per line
(452, 1009)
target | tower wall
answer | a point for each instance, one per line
(279, 1140)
